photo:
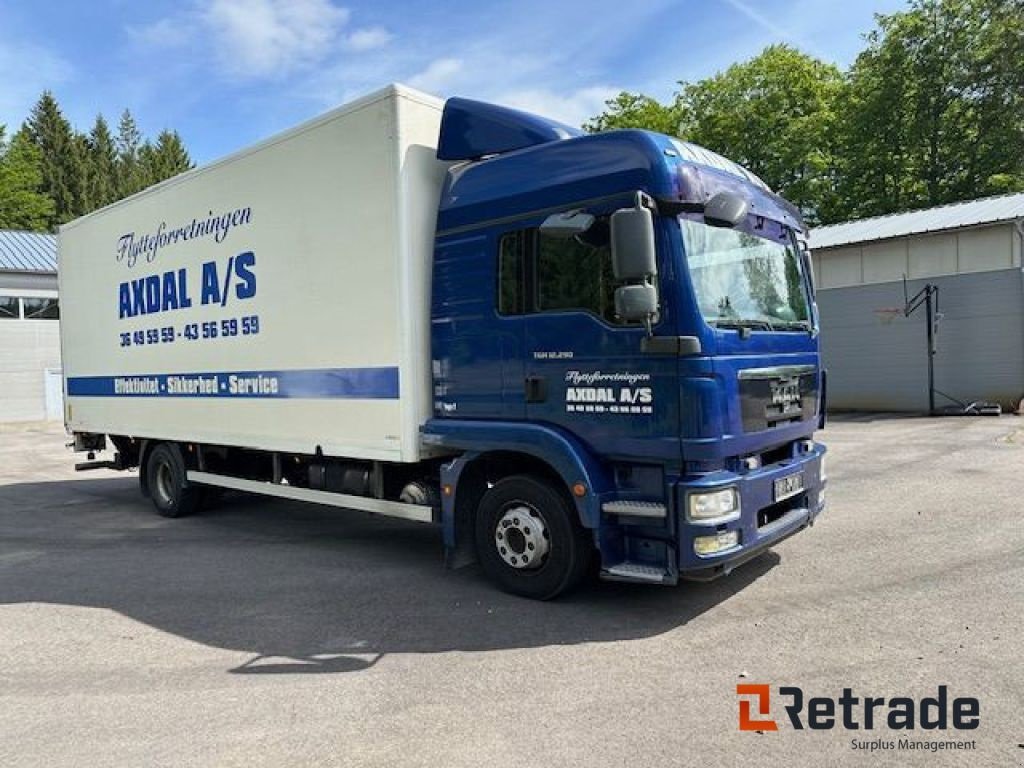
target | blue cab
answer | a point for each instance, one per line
(625, 356)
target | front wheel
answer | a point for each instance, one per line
(528, 538)
(165, 477)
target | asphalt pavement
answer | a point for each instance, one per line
(267, 633)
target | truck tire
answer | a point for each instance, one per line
(529, 540)
(165, 476)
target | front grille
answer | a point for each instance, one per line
(775, 455)
(773, 397)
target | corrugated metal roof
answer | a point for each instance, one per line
(987, 210)
(27, 252)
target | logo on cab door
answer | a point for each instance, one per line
(619, 392)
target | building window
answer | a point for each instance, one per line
(41, 309)
(28, 308)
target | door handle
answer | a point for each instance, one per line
(536, 389)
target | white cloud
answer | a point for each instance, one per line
(273, 38)
(439, 76)
(367, 39)
(572, 107)
(262, 39)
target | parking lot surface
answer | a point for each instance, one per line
(266, 633)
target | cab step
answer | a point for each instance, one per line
(654, 509)
(637, 572)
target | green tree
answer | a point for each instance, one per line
(23, 205)
(146, 172)
(102, 164)
(634, 110)
(934, 112)
(775, 115)
(129, 144)
(80, 165)
(50, 173)
(51, 133)
(167, 158)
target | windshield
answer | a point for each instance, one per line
(746, 280)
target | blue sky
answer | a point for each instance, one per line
(225, 73)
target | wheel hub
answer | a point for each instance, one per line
(522, 538)
(164, 483)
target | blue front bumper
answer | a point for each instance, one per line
(762, 521)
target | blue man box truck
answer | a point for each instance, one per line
(565, 349)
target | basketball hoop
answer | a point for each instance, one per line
(886, 315)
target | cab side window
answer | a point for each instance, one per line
(575, 273)
(511, 277)
(538, 272)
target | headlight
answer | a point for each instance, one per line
(713, 505)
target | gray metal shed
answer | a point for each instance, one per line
(877, 360)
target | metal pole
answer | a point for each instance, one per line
(931, 351)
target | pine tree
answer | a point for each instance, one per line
(80, 168)
(167, 158)
(145, 171)
(51, 133)
(23, 205)
(102, 164)
(128, 144)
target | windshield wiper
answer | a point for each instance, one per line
(793, 325)
(745, 322)
(762, 325)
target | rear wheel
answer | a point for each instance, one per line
(165, 476)
(529, 540)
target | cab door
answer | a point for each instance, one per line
(585, 370)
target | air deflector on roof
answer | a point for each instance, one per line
(473, 129)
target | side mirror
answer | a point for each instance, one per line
(633, 254)
(636, 303)
(634, 261)
(567, 224)
(726, 209)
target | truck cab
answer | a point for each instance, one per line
(631, 318)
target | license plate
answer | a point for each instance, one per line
(787, 486)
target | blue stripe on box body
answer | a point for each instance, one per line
(317, 383)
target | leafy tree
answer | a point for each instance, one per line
(773, 114)
(634, 110)
(931, 112)
(935, 108)
(23, 205)
(50, 131)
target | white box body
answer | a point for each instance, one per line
(337, 217)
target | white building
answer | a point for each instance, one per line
(877, 359)
(30, 380)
